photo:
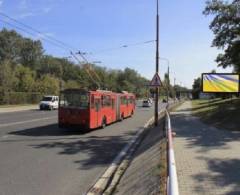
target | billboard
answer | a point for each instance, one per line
(220, 83)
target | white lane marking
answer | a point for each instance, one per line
(29, 121)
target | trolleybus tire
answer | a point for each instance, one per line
(103, 123)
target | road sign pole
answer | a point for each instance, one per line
(157, 69)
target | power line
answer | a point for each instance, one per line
(42, 38)
(121, 47)
(53, 41)
(37, 31)
(89, 66)
(87, 70)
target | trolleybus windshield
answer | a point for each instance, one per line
(77, 100)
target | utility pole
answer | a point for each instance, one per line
(157, 68)
(175, 91)
(168, 85)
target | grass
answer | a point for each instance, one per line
(162, 166)
(219, 113)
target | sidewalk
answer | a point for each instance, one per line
(207, 159)
(18, 108)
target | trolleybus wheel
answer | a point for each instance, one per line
(122, 117)
(103, 123)
(132, 113)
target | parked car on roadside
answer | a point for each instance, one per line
(49, 102)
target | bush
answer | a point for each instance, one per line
(20, 98)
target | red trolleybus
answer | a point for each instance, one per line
(93, 109)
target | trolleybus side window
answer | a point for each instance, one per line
(131, 100)
(106, 101)
(123, 100)
(97, 104)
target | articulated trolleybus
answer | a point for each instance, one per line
(93, 109)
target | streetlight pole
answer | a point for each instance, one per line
(168, 78)
(157, 68)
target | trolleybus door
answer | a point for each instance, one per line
(113, 110)
(118, 114)
(97, 110)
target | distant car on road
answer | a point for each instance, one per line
(146, 103)
(49, 102)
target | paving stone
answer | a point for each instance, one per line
(207, 158)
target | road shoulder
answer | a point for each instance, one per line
(142, 175)
(18, 108)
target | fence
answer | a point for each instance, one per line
(172, 181)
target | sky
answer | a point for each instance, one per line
(100, 28)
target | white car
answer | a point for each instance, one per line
(146, 103)
(49, 102)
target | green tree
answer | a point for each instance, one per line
(18, 49)
(10, 42)
(196, 88)
(25, 79)
(226, 29)
(47, 85)
(7, 80)
(31, 53)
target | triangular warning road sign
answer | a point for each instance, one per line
(156, 81)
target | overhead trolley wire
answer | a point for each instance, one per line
(24, 30)
(121, 47)
(89, 65)
(49, 39)
(65, 45)
(87, 70)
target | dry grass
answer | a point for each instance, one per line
(219, 113)
(162, 167)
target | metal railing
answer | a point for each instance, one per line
(172, 181)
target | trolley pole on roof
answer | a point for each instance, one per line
(157, 68)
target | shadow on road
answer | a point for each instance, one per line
(96, 151)
(93, 151)
(222, 173)
(49, 130)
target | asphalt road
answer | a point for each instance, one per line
(36, 157)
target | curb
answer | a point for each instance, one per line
(106, 183)
(111, 176)
(127, 160)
